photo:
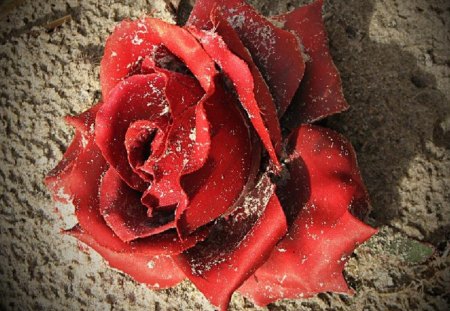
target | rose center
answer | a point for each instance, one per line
(144, 140)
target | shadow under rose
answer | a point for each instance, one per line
(396, 119)
(395, 122)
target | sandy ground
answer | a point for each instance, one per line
(395, 63)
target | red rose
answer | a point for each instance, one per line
(182, 170)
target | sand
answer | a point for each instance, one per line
(395, 63)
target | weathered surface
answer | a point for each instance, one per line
(394, 61)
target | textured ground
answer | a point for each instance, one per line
(395, 63)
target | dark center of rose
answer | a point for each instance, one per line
(144, 140)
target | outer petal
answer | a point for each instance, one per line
(310, 259)
(236, 246)
(129, 43)
(157, 272)
(132, 41)
(320, 93)
(275, 51)
(239, 73)
(58, 179)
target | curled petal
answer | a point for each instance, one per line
(181, 43)
(182, 92)
(58, 179)
(320, 93)
(311, 257)
(124, 213)
(261, 90)
(143, 139)
(239, 73)
(132, 41)
(237, 245)
(276, 52)
(186, 151)
(187, 146)
(232, 164)
(156, 271)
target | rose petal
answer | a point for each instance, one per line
(56, 179)
(239, 73)
(335, 180)
(84, 122)
(124, 213)
(236, 246)
(261, 90)
(157, 272)
(311, 257)
(233, 161)
(132, 41)
(182, 91)
(320, 93)
(129, 43)
(206, 194)
(276, 52)
(187, 146)
(181, 43)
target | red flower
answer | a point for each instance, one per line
(182, 170)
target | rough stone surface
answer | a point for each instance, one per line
(395, 64)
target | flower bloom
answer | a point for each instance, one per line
(183, 170)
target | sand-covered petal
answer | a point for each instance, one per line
(320, 93)
(231, 167)
(261, 90)
(276, 51)
(323, 184)
(132, 41)
(241, 77)
(236, 246)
